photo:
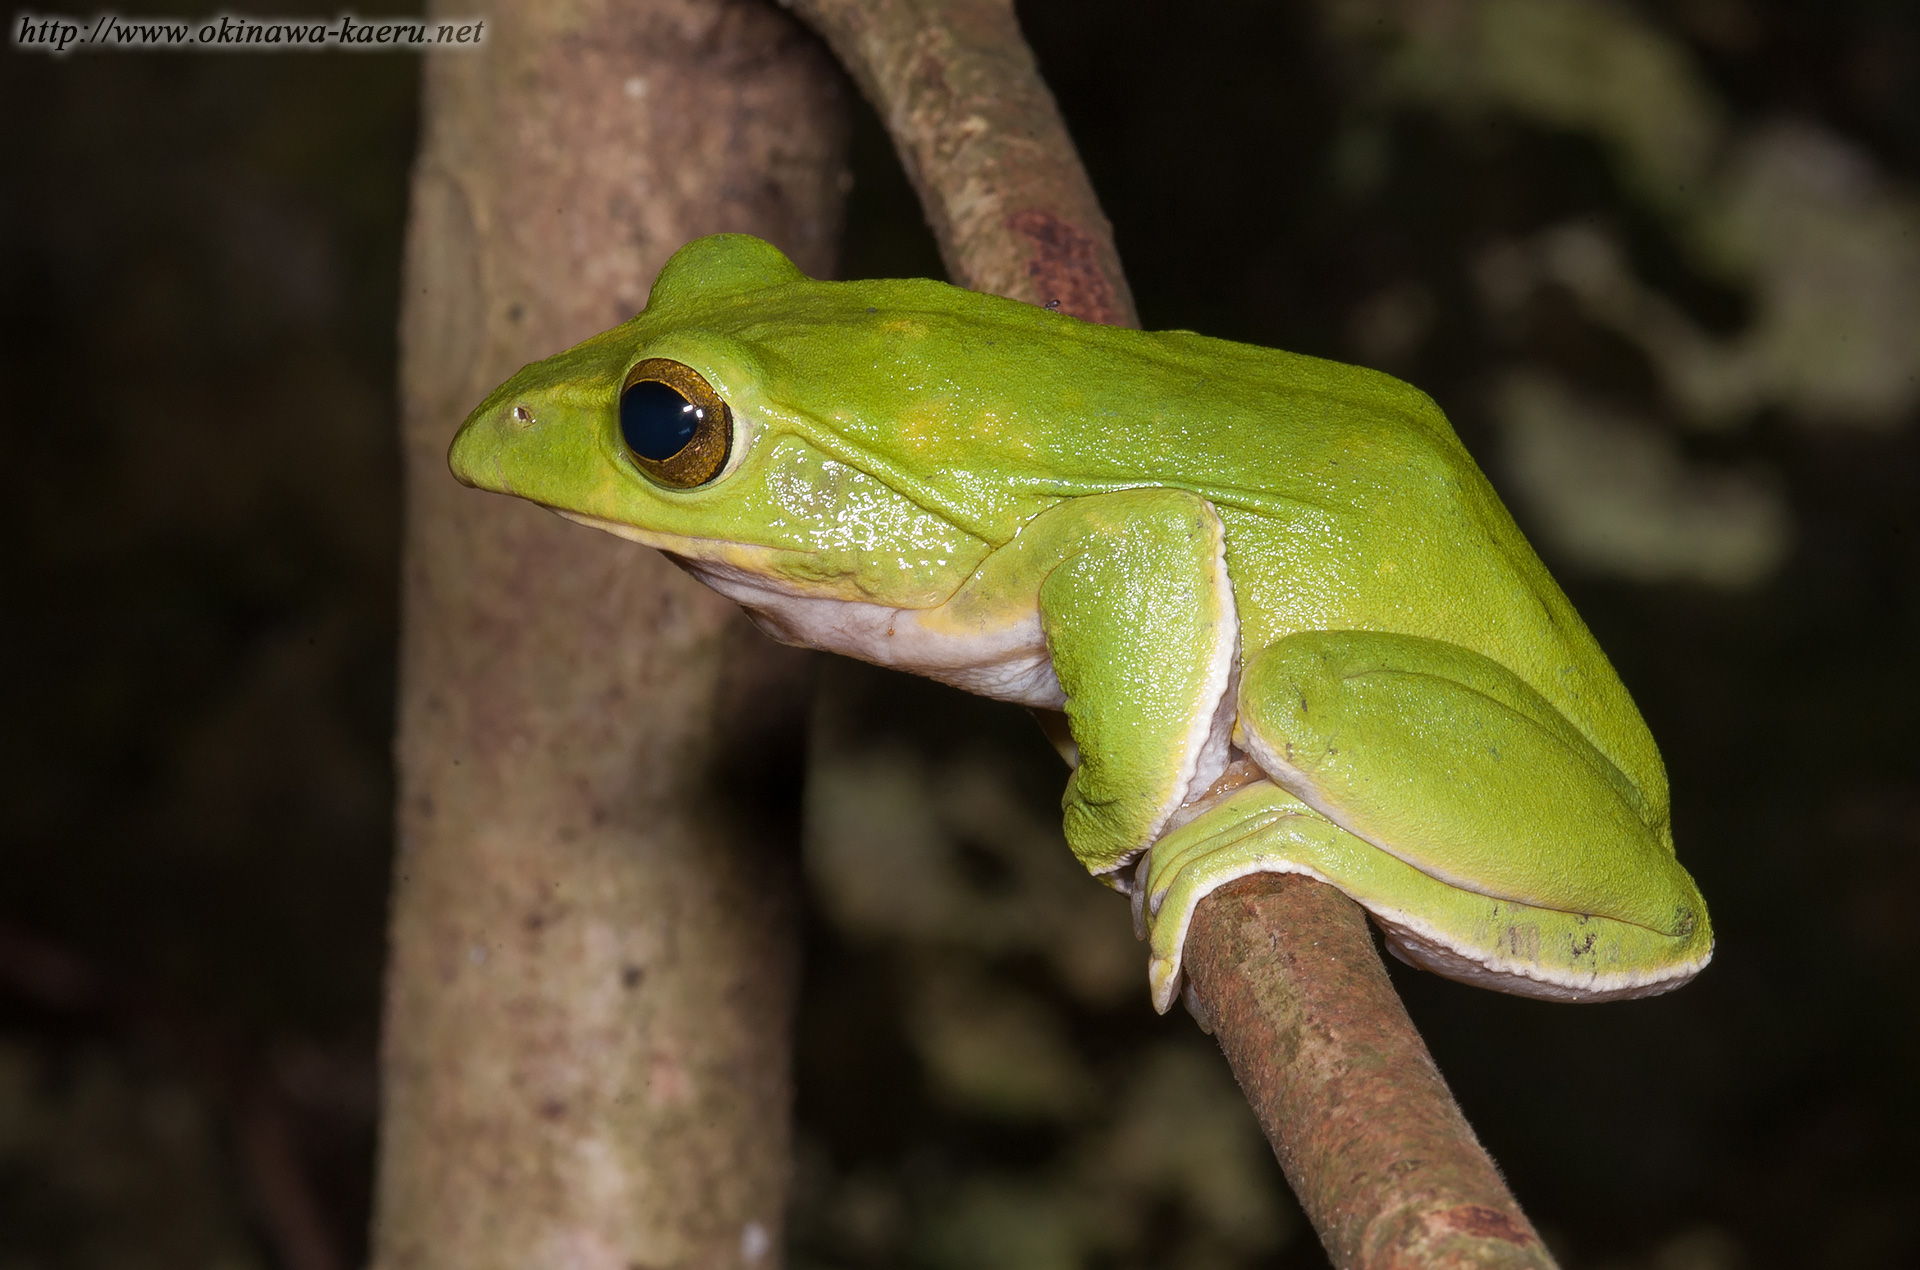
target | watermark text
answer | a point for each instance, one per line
(62, 34)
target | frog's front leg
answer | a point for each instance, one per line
(1489, 837)
(1137, 611)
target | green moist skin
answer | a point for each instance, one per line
(1290, 624)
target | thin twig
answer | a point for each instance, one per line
(1374, 1145)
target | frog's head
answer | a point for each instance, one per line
(811, 434)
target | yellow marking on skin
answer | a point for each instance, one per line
(611, 489)
(986, 425)
(923, 426)
(978, 613)
(909, 327)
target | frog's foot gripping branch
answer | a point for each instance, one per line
(1502, 849)
(1493, 943)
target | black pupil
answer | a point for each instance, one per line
(655, 421)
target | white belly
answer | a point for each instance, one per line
(1008, 662)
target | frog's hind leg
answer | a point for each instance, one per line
(1495, 943)
(1488, 836)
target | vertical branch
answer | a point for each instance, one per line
(586, 1052)
(1381, 1158)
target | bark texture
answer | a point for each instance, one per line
(593, 959)
(985, 148)
(1385, 1165)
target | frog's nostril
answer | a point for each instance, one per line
(521, 415)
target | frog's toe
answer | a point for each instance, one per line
(1262, 832)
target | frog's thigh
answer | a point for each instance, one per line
(1511, 947)
(1141, 627)
(1447, 760)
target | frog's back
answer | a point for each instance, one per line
(1350, 504)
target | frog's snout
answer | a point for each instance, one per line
(462, 453)
(478, 447)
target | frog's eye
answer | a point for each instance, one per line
(675, 426)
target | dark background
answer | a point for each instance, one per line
(200, 259)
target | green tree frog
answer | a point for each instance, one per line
(1290, 625)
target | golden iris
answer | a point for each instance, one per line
(674, 424)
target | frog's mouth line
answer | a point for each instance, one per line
(747, 561)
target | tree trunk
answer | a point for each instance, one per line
(593, 963)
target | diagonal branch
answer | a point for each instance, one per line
(985, 148)
(1374, 1146)
(1366, 1131)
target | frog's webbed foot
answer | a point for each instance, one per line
(1485, 835)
